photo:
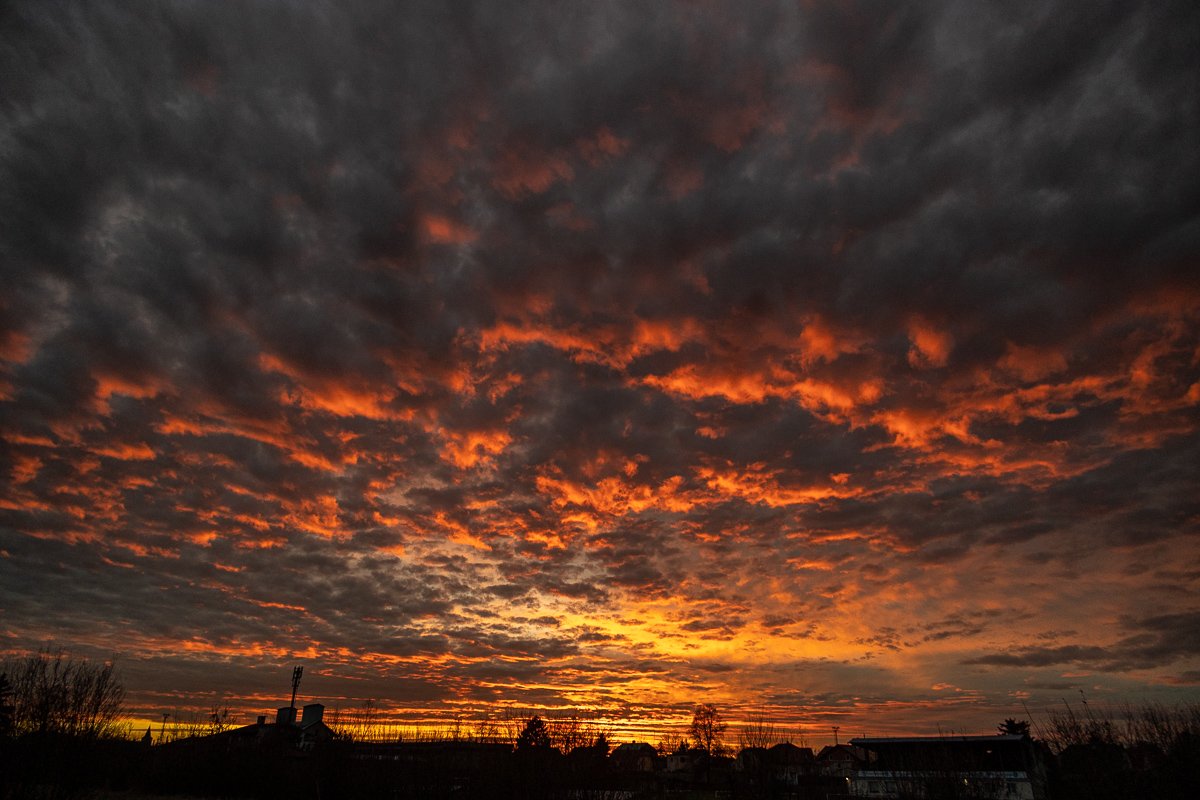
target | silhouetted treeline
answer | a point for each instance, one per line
(59, 726)
(1148, 751)
(52, 693)
(59, 738)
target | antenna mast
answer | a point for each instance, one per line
(296, 673)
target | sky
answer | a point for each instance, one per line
(834, 360)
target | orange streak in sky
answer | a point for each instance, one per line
(324, 394)
(521, 171)
(443, 230)
(126, 452)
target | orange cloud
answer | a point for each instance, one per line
(918, 428)
(126, 452)
(729, 127)
(930, 347)
(521, 171)
(822, 397)
(819, 341)
(15, 347)
(458, 533)
(612, 496)
(602, 146)
(615, 346)
(467, 449)
(443, 230)
(320, 515)
(1032, 363)
(24, 468)
(340, 398)
(758, 484)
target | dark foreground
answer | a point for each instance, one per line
(216, 767)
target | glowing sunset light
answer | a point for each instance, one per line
(834, 361)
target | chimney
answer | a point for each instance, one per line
(313, 712)
(262, 720)
(285, 716)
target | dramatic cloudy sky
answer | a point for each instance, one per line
(840, 359)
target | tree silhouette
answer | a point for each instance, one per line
(533, 735)
(671, 743)
(6, 706)
(54, 693)
(707, 728)
(219, 719)
(1013, 727)
(758, 731)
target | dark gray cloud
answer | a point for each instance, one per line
(1153, 642)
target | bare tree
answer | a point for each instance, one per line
(188, 724)
(758, 731)
(334, 720)
(511, 724)
(707, 728)
(573, 732)
(220, 719)
(486, 729)
(367, 724)
(1128, 726)
(671, 743)
(54, 693)
(6, 707)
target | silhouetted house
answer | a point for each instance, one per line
(448, 768)
(589, 759)
(841, 760)
(751, 759)
(304, 734)
(447, 755)
(694, 769)
(785, 770)
(753, 771)
(313, 729)
(1005, 767)
(713, 771)
(684, 760)
(634, 757)
(789, 763)
(284, 734)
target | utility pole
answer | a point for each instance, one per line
(835, 736)
(296, 673)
